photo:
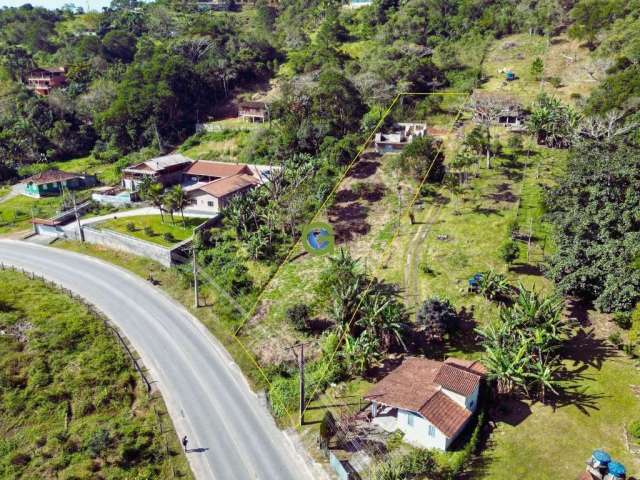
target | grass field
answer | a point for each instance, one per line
(159, 229)
(223, 143)
(72, 405)
(563, 59)
(15, 213)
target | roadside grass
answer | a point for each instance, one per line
(72, 405)
(4, 190)
(15, 213)
(215, 312)
(158, 229)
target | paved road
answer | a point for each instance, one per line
(207, 396)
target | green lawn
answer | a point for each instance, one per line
(72, 405)
(559, 441)
(15, 214)
(159, 229)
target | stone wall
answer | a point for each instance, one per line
(126, 243)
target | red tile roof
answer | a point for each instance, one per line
(50, 176)
(473, 366)
(409, 386)
(457, 380)
(417, 385)
(447, 416)
(216, 169)
(228, 185)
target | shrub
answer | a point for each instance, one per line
(97, 442)
(616, 339)
(436, 317)
(515, 143)
(131, 227)
(634, 429)
(148, 231)
(298, 316)
(514, 228)
(509, 250)
(555, 81)
(493, 285)
(622, 320)
(168, 237)
(395, 440)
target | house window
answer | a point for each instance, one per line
(432, 431)
(210, 204)
(410, 419)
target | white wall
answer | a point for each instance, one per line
(470, 402)
(202, 200)
(418, 434)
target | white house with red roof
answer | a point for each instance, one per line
(431, 402)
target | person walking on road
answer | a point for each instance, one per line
(185, 442)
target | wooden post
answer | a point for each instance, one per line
(302, 400)
(75, 211)
(195, 270)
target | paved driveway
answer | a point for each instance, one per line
(205, 392)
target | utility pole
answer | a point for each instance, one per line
(195, 268)
(75, 211)
(300, 361)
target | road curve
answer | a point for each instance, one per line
(205, 392)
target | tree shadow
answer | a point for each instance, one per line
(585, 349)
(526, 269)
(486, 211)
(364, 169)
(380, 371)
(348, 221)
(510, 410)
(345, 195)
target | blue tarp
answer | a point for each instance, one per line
(475, 280)
(602, 456)
(617, 469)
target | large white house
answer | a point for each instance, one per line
(429, 401)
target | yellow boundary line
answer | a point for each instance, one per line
(320, 209)
(388, 249)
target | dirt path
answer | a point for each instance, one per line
(411, 283)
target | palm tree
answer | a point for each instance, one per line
(180, 201)
(168, 201)
(154, 193)
(543, 373)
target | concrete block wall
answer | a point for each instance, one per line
(128, 244)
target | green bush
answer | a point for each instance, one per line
(131, 227)
(622, 320)
(168, 237)
(555, 81)
(616, 339)
(509, 251)
(298, 316)
(634, 429)
(148, 231)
